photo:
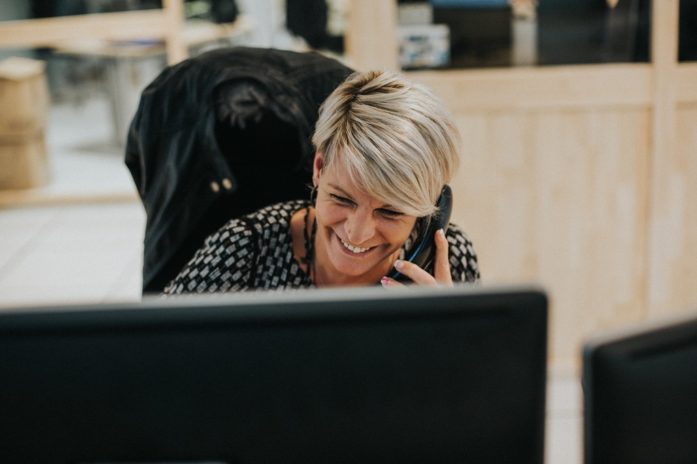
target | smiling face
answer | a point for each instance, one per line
(358, 236)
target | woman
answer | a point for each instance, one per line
(384, 150)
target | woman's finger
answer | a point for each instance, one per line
(387, 282)
(415, 273)
(441, 266)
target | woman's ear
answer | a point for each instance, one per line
(317, 166)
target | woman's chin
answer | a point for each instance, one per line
(351, 264)
(349, 267)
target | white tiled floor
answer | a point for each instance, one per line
(85, 246)
(564, 425)
(77, 254)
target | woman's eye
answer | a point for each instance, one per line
(341, 200)
(390, 214)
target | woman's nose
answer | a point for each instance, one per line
(360, 227)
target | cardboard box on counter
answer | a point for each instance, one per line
(24, 104)
(23, 164)
(24, 98)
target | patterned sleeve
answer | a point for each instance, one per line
(463, 259)
(226, 262)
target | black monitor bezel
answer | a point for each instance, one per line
(644, 339)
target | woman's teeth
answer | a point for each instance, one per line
(353, 249)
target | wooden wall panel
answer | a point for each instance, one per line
(559, 198)
(673, 287)
(542, 88)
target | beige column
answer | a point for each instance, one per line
(665, 186)
(371, 35)
(174, 25)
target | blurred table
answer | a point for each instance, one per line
(131, 65)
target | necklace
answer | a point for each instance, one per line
(309, 258)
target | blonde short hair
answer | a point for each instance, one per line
(395, 138)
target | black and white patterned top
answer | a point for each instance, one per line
(256, 252)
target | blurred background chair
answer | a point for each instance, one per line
(218, 136)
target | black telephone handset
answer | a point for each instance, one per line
(423, 250)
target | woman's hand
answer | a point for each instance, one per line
(441, 267)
